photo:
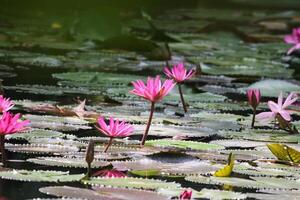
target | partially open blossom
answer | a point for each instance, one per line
(154, 90)
(110, 173)
(5, 104)
(186, 194)
(178, 73)
(115, 128)
(278, 108)
(253, 97)
(10, 123)
(294, 39)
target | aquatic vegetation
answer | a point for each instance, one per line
(115, 129)
(294, 39)
(9, 124)
(153, 91)
(285, 153)
(253, 96)
(5, 104)
(70, 69)
(179, 74)
(227, 169)
(186, 194)
(279, 108)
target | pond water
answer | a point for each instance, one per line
(55, 55)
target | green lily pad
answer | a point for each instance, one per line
(186, 145)
(40, 176)
(67, 162)
(130, 182)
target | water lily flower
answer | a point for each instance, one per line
(294, 39)
(10, 124)
(114, 129)
(153, 91)
(253, 100)
(5, 104)
(179, 74)
(278, 108)
(186, 194)
(110, 173)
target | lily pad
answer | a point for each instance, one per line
(186, 145)
(130, 182)
(67, 162)
(40, 176)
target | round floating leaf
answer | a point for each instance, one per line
(263, 135)
(205, 194)
(40, 148)
(234, 143)
(40, 176)
(101, 193)
(34, 134)
(130, 182)
(72, 192)
(57, 123)
(181, 144)
(272, 88)
(170, 131)
(254, 182)
(66, 162)
(245, 168)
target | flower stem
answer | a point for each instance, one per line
(182, 99)
(109, 144)
(253, 118)
(148, 124)
(2, 148)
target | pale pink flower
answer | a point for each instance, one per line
(186, 194)
(253, 97)
(278, 108)
(10, 124)
(154, 90)
(115, 128)
(294, 39)
(5, 104)
(178, 73)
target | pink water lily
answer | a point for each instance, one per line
(153, 91)
(186, 194)
(110, 173)
(179, 74)
(5, 104)
(10, 124)
(294, 39)
(115, 128)
(278, 108)
(253, 100)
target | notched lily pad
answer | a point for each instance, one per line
(186, 145)
(40, 176)
(130, 182)
(67, 162)
(41, 148)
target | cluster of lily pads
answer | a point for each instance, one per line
(215, 149)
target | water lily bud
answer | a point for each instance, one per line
(253, 97)
(89, 155)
